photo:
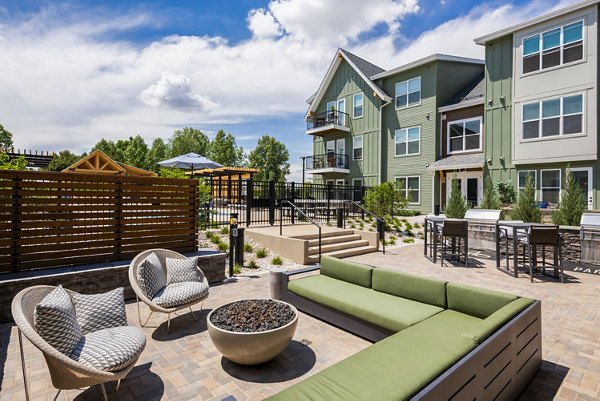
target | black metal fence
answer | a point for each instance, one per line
(259, 202)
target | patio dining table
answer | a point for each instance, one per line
(515, 226)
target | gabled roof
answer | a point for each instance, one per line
(544, 17)
(470, 95)
(426, 60)
(361, 66)
(98, 162)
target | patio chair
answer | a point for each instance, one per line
(78, 370)
(169, 298)
(455, 229)
(544, 235)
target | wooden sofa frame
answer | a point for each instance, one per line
(497, 369)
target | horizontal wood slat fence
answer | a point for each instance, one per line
(64, 219)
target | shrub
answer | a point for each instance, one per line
(277, 261)
(457, 206)
(252, 265)
(352, 225)
(383, 199)
(215, 239)
(248, 247)
(409, 233)
(506, 192)
(371, 228)
(572, 203)
(408, 226)
(224, 230)
(407, 212)
(404, 220)
(392, 241)
(526, 208)
(261, 253)
(223, 247)
(490, 198)
(417, 225)
(237, 269)
(408, 240)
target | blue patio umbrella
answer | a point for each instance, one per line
(190, 161)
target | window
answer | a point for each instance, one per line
(408, 141)
(562, 116)
(408, 93)
(357, 182)
(550, 185)
(410, 187)
(554, 47)
(464, 135)
(357, 148)
(357, 102)
(523, 174)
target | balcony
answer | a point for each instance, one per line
(328, 163)
(328, 122)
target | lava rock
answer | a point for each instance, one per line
(252, 315)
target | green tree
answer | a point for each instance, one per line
(62, 160)
(490, 198)
(225, 151)
(506, 192)
(271, 157)
(457, 205)
(188, 140)
(167, 172)
(6, 140)
(572, 203)
(158, 152)
(526, 208)
(18, 163)
(114, 150)
(136, 152)
(384, 199)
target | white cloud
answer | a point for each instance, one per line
(175, 91)
(262, 24)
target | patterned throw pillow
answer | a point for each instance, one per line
(151, 276)
(182, 270)
(54, 319)
(100, 311)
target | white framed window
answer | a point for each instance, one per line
(408, 93)
(464, 135)
(408, 141)
(550, 185)
(357, 182)
(522, 179)
(410, 186)
(554, 47)
(553, 117)
(357, 147)
(357, 105)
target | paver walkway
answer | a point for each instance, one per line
(185, 365)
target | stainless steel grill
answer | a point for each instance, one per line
(482, 228)
(590, 238)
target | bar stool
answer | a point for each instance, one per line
(506, 234)
(544, 235)
(455, 229)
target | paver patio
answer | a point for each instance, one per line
(185, 365)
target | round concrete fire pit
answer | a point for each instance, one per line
(252, 331)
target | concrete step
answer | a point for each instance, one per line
(346, 253)
(325, 234)
(334, 240)
(338, 246)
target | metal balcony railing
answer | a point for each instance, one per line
(328, 160)
(328, 118)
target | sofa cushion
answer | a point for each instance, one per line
(178, 294)
(110, 349)
(474, 301)
(421, 289)
(100, 311)
(55, 320)
(151, 276)
(381, 309)
(485, 328)
(182, 270)
(393, 369)
(351, 272)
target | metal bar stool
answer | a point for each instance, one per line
(455, 229)
(544, 235)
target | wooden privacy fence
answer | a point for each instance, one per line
(64, 219)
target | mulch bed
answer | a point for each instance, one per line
(252, 315)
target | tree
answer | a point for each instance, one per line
(5, 138)
(158, 152)
(136, 152)
(115, 151)
(271, 157)
(457, 205)
(18, 163)
(224, 150)
(526, 208)
(167, 172)
(62, 160)
(188, 140)
(506, 192)
(383, 199)
(490, 198)
(572, 203)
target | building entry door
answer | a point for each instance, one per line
(583, 176)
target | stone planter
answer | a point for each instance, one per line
(252, 348)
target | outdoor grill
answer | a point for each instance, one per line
(590, 238)
(482, 228)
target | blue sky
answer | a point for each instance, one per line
(74, 72)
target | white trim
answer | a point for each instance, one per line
(542, 18)
(535, 179)
(463, 121)
(362, 105)
(561, 116)
(456, 167)
(428, 59)
(407, 141)
(590, 195)
(407, 81)
(406, 177)
(542, 183)
(362, 144)
(461, 105)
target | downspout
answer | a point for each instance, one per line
(383, 151)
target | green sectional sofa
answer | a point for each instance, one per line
(434, 340)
